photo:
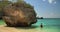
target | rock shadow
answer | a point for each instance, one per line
(30, 27)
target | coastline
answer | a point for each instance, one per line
(50, 25)
(3, 28)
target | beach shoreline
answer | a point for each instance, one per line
(3, 28)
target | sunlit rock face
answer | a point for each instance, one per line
(19, 14)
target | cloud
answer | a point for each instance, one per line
(52, 1)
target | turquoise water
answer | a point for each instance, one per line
(48, 21)
(2, 22)
(49, 25)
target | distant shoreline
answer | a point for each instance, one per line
(39, 17)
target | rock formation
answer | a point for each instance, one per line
(19, 14)
(3, 3)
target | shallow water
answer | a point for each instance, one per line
(2, 22)
(49, 25)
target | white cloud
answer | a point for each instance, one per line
(52, 1)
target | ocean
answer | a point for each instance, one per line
(49, 25)
(49, 21)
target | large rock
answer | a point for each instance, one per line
(19, 14)
(2, 5)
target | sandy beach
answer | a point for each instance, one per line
(3, 28)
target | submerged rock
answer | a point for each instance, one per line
(19, 14)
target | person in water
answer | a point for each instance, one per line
(41, 25)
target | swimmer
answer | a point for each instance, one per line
(41, 25)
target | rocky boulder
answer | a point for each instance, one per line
(19, 14)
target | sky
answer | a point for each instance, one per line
(46, 8)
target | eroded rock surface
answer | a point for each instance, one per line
(19, 14)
